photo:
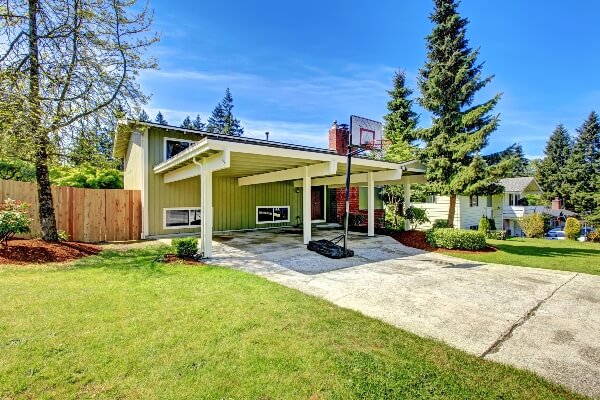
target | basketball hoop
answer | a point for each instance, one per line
(373, 145)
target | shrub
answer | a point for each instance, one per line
(357, 219)
(14, 219)
(63, 236)
(484, 225)
(572, 228)
(87, 176)
(498, 235)
(186, 247)
(461, 239)
(492, 224)
(415, 216)
(593, 237)
(532, 225)
(440, 223)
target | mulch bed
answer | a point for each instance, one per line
(173, 258)
(417, 240)
(22, 251)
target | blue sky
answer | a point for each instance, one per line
(294, 67)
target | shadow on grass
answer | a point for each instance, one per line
(547, 251)
(143, 260)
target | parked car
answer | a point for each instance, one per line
(555, 234)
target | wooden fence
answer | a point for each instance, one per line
(87, 215)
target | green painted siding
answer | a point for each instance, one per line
(234, 206)
(133, 168)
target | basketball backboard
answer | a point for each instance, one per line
(366, 132)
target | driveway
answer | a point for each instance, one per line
(542, 320)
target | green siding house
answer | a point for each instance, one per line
(195, 182)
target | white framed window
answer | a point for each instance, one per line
(173, 146)
(181, 217)
(474, 201)
(272, 214)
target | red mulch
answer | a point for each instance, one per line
(417, 240)
(22, 251)
(172, 258)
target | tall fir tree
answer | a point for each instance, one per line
(448, 82)
(144, 117)
(197, 123)
(160, 119)
(187, 123)
(521, 165)
(551, 172)
(216, 122)
(583, 167)
(400, 122)
(231, 125)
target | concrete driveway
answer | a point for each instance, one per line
(542, 320)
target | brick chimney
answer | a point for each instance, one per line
(338, 138)
(556, 204)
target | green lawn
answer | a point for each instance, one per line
(566, 255)
(119, 325)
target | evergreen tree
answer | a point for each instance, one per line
(551, 172)
(400, 122)
(583, 167)
(187, 123)
(198, 124)
(448, 82)
(143, 117)
(515, 152)
(231, 125)
(216, 122)
(160, 119)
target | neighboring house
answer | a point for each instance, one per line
(195, 182)
(505, 208)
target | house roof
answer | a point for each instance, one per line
(521, 184)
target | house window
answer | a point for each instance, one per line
(181, 217)
(272, 214)
(175, 146)
(363, 198)
(430, 199)
(514, 199)
(474, 201)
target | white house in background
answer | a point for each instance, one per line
(505, 209)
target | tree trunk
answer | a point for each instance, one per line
(41, 140)
(451, 211)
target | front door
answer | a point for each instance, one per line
(317, 203)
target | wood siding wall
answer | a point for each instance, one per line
(87, 215)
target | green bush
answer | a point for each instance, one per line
(492, 224)
(572, 228)
(186, 247)
(17, 170)
(14, 219)
(593, 237)
(440, 223)
(532, 225)
(87, 176)
(415, 216)
(498, 235)
(484, 225)
(460, 239)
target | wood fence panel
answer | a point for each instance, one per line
(87, 215)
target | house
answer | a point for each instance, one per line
(195, 182)
(505, 208)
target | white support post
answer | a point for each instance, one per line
(206, 212)
(306, 206)
(406, 203)
(370, 205)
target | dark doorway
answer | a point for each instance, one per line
(317, 203)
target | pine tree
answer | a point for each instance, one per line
(515, 152)
(216, 122)
(400, 122)
(448, 82)
(197, 123)
(160, 119)
(231, 125)
(187, 123)
(551, 172)
(143, 117)
(583, 167)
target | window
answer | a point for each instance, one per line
(175, 146)
(474, 201)
(272, 214)
(430, 199)
(514, 199)
(363, 198)
(182, 217)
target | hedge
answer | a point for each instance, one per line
(459, 239)
(186, 247)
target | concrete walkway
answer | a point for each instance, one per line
(542, 320)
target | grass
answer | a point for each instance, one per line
(565, 255)
(119, 325)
